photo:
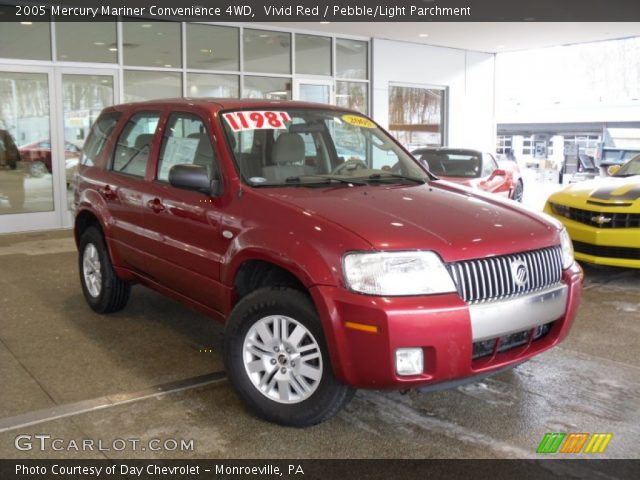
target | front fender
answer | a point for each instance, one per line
(308, 262)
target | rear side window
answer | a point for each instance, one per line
(134, 144)
(98, 137)
(186, 141)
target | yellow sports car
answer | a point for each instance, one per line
(603, 217)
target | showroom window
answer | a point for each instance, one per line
(12, 35)
(352, 59)
(503, 144)
(272, 88)
(98, 42)
(416, 115)
(83, 67)
(152, 44)
(353, 95)
(210, 47)
(266, 51)
(210, 85)
(142, 85)
(313, 54)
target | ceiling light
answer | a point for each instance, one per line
(423, 35)
(113, 49)
(167, 65)
(324, 23)
(159, 33)
(98, 43)
(263, 35)
(26, 23)
(146, 25)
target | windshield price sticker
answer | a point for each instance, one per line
(358, 121)
(256, 120)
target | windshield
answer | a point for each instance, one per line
(451, 164)
(314, 146)
(632, 167)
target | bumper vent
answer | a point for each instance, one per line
(628, 253)
(509, 342)
(496, 278)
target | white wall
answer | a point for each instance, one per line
(469, 77)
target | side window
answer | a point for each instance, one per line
(186, 141)
(98, 138)
(488, 165)
(134, 144)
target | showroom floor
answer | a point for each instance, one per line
(154, 371)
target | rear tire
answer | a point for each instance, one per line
(276, 359)
(103, 290)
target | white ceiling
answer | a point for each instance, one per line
(479, 36)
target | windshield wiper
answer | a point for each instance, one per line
(389, 175)
(325, 178)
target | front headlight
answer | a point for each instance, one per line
(397, 273)
(567, 249)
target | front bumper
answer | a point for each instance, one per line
(602, 246)
(443, 326)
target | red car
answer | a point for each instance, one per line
(330, 273)
(474, 169)
(37, 156)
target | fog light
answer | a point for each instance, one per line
(409, 361)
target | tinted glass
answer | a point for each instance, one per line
(186, 141)
(98, 138)
(134, 144)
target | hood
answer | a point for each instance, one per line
(610, 191)
(454, 222)
(467, 182)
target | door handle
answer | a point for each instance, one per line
(156, 205)
(108, 193)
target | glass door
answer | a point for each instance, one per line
(313, 90)
(84, 93)
(27, 139)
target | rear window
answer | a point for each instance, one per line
(98, 137)
(452, 164)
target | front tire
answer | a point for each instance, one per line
(103, 290)
(277, 361)
(518, 193)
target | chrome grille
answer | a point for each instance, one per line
(491, 278)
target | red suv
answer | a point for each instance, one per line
(331, 271)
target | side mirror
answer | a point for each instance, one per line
(613, 169)
(194, 177)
